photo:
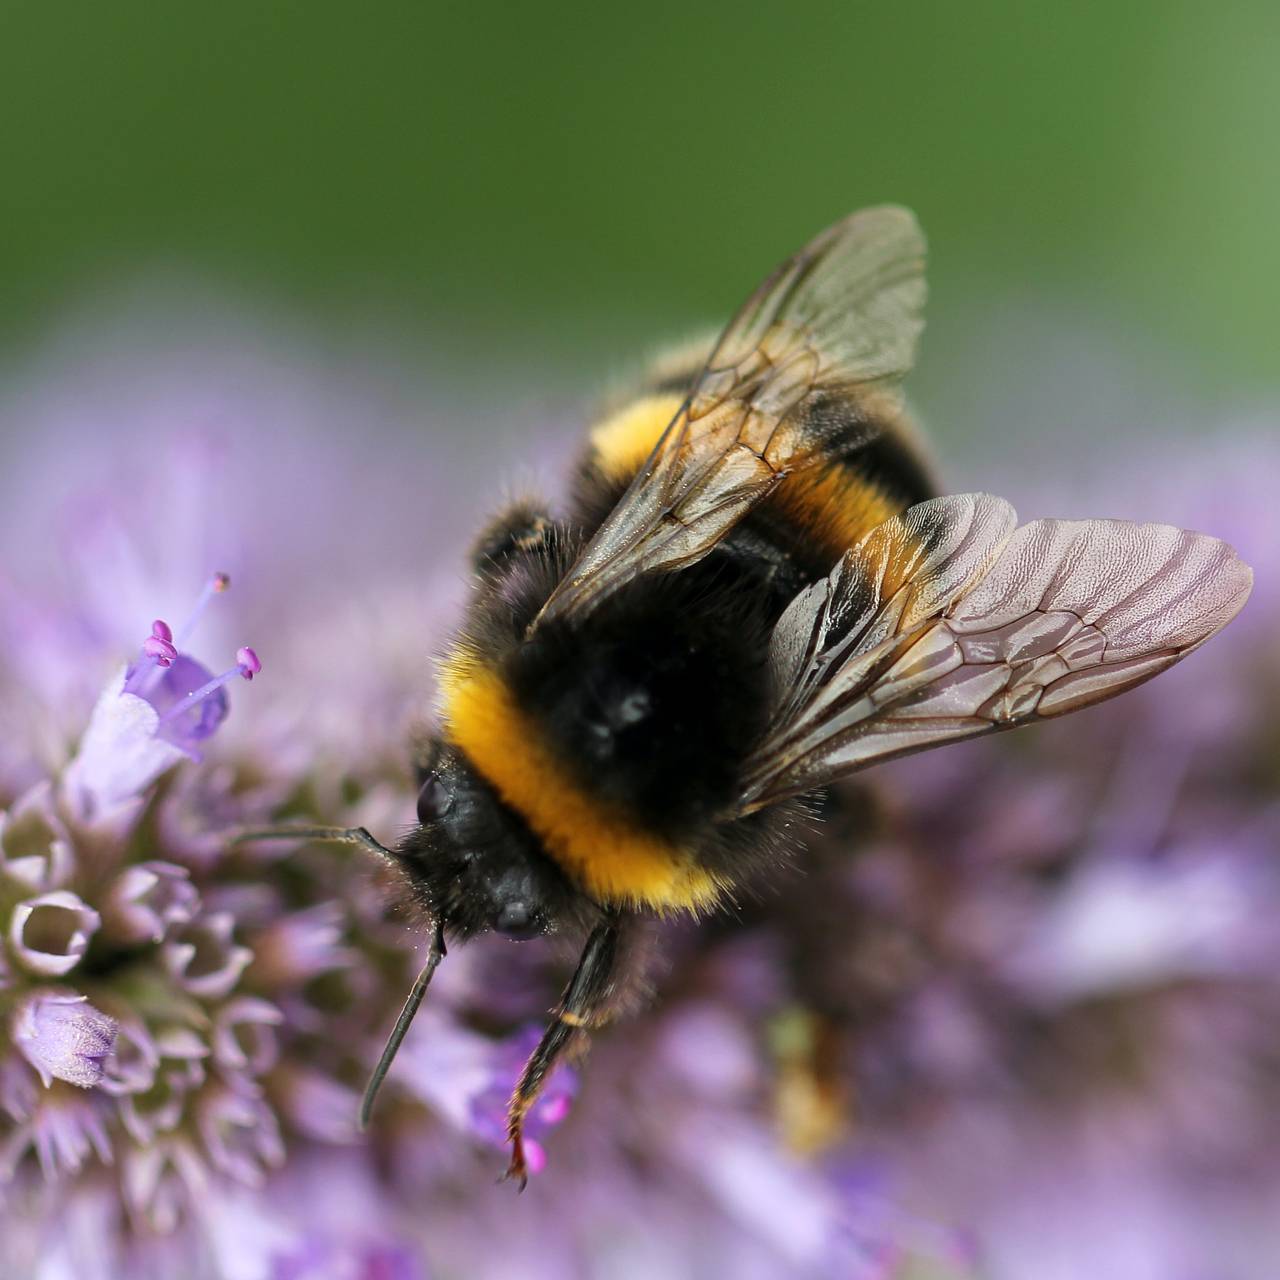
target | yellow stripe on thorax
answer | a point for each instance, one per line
(596, 846)
(622, 442)
(828, 504)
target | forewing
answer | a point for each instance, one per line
(979, 634)
(843, 313)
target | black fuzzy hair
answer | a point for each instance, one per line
(654, 699)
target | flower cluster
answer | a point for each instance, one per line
(174, 1006)
(122, 976)
(1013, 1019)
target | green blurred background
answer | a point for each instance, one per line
(544, 186)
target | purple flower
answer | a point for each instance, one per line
(488, 1107)
(147, 900)
(202, 956)
(64, 1133)
(132, 1066)
(62, 1036)
(159, 711)
(50, 933)
(295, 948)
(35, 848)
(239, 1133)
(244, 1037)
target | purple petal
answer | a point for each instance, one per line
(318, 1106)
(240, 1134)
(131, 1067)
(488, 1107)
(35, 849)
(163, 1182)
(147, 900)
(192, 727)
(204, 958)
(244, 1036)
(18, 1091)
(50, 933)
(298, 946)
(120, 755)
(63, 1132)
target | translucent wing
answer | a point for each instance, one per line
(842, 314)
(945, 622)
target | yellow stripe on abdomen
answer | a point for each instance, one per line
(595, 846)
(827, 506)
(830, 506)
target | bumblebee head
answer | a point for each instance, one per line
(472, 862)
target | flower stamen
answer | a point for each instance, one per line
(247, 666)
(215, 586)
(159, 644)
(161, 647)
(158, 652)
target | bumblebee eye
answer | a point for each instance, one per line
(435, 799)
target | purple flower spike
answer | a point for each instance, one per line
(50, 933)
(1021, 1020)
(63, 1036)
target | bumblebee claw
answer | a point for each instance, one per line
(517, 1170)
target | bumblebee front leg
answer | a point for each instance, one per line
(583, 1005)
(524, 527)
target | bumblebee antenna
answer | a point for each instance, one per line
(434, 956)
(333, 835)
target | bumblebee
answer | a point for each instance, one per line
(751, 591)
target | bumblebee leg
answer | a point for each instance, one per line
(522, 528)
(334, 835)
(583, 1005)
